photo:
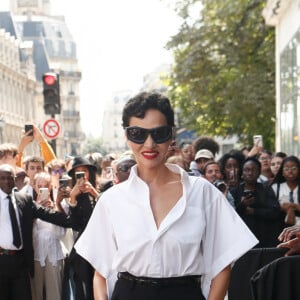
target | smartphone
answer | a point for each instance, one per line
(248, 193)
(63, 182)
(44, 194)
(27, 128)
(79, 176)
(258, 140)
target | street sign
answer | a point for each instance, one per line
(51, 128)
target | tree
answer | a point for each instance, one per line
(93, 145)
(223, 80)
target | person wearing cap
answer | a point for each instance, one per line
(82, 201)
(202, 157)
(122, 168)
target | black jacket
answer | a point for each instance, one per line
(277, 280)
(28, 211)
(267, 221)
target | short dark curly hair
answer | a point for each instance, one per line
(139, 104)
(206, 142)
(254, 160)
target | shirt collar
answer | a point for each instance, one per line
(3, 195)
(172, 167)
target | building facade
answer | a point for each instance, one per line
(112, 130)
(52, 50)
(18, 87)
(285, 16)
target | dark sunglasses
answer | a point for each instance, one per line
(139, 135)
(58, 171)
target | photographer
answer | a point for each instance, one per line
(83, 197)
(48, 252)
(257, 206)
(212, 172)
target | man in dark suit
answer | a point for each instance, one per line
(17, 213)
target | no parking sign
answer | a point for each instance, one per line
(51, 128)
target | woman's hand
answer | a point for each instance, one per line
(26, 139)
(87, 187)
(45, 203)
(247, 200)
(286, 206)
(293, 246)
(74, 193)
(289, 233)
(63, 192)
(290, 216)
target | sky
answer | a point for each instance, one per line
(118, 42)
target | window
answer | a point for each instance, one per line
(290, 96)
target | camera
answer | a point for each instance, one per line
(79, 175)
(220, 184)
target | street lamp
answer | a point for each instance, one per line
(2, 124)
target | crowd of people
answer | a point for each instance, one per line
(119, 226)
(257, 183)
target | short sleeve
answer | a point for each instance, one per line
(97, 243)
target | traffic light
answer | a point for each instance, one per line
(51, 93)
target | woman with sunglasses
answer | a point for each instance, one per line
(158, 232)
(286, 188)
(56, 169)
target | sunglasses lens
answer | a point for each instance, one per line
(161, 134)
(136, 134)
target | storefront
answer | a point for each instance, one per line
(285, 16)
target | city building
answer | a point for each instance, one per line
(112, 130)
(284, 15)
(52, 50)
(18, 87)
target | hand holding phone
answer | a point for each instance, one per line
(27, 128)
(63, 182)
(248, 198)
(80, 177)
(248, 193)
(44, 195)
(258, 140)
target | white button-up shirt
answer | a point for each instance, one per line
(284, 195)
(201, 234)
(6, 234)
(46, 242)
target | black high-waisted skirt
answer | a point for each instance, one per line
(129, 287)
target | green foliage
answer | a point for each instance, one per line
(223, 79)
(93, 145)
